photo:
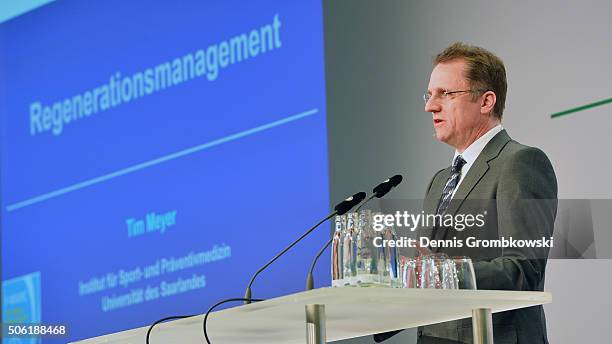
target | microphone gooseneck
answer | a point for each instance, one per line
(310, 278)
(340, 209)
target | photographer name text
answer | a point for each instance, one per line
(472, 242)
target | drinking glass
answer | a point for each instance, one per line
(349, 250)
(337, 251)
(366, 254)
(466, 278)
(436, 271)
(407, 273)
(388, 258)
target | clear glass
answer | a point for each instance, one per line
(407, 273)
(366, 262)
(349, 250)
(436, 271)
(466, 277)
(388, 259)
(337, 251)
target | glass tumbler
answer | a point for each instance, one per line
(436, 271)
(366, 261)
(388, 259)
(349, 250)
(337, 251)
(407, 273)
(466, 277)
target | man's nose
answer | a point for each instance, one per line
(432, 106)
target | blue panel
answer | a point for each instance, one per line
(12, 8)
(154, 155)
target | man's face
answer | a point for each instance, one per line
(456, 118)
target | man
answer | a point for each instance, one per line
(516, 184)
(466, 97)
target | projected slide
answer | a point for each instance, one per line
(156, 154)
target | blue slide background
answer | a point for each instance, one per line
(254, 194)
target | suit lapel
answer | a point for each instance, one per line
(478, 170)
(430, 204)
(435, 192)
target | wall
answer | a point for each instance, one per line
(557, 56)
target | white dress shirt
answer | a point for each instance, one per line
(473, 151)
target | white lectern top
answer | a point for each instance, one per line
(350, 312)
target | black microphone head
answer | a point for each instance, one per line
(346, 205)
(383, 188)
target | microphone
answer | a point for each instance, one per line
(348, 204)
(379, 191)
(340, 209)
(383, 188)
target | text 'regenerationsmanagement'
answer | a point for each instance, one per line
(122, 89)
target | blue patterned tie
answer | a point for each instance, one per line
(451, 184)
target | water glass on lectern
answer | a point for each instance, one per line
(367, 254)
(349, 250)
(407, 273)
(437, 271)
(466, 277)
(337, 252)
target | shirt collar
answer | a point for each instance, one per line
(473, 151)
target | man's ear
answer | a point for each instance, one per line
(487, 103)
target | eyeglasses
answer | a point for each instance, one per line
(446, 94)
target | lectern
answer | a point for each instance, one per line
(345, 313)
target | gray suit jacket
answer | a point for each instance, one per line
(517, 187)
